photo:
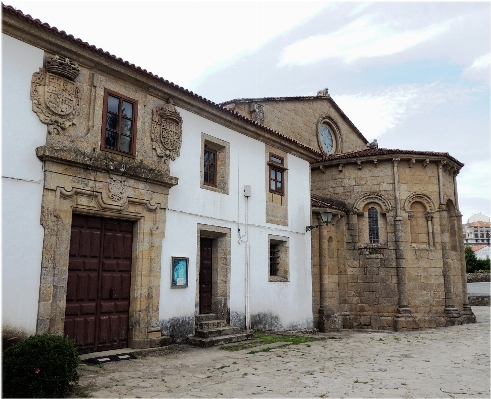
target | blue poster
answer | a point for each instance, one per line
(179, 272)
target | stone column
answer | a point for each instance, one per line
(429, 221)
(404, 320)
(328, 320)
(451, 312)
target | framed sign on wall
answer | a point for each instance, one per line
(179, 271)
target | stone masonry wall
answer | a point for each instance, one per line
(298, 120)
(368, 282)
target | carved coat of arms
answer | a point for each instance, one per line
(167, 131)
(54, 94)
(118, 191)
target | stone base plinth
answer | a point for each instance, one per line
(328, 320)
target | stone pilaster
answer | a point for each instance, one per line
(452, 314)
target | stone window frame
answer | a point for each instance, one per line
(283, 245)
(430, 209)
(335, 130)
(360, 208)
(107, 93)
(222, 165)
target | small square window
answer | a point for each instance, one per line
(278, 259)
(119, 123)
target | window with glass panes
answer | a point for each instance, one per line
(373, 233)
(119, 123)
(276, 174)
(210, 160)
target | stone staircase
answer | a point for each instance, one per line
(212, 331)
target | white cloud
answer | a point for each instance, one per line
(482, 62)
(475, 180)
(360, 39)
(374, 115)
(479, 69)
(176, 40)
(381, 110)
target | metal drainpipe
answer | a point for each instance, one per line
(247, 193)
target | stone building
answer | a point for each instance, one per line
(150, 211)
(391, 256)
(135, 209)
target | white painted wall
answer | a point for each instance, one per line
(483, 253)
(189, 205)
(22, 187)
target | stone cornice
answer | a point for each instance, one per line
(109, 163)
(33, 32)
(412, 159)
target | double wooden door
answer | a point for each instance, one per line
(205, 275)
(99, 277)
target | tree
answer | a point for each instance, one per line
(471, 263)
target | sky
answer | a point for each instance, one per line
(413, 75)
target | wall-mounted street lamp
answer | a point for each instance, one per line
(326, 218)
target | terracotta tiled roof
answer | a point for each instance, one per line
(298, 98)
(322, 202)
(478, 224)
(87, 46)
(478, 247)
(370, 152)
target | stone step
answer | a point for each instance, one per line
(211, 324)
(222, 339)
(225, 330)
(199, 318)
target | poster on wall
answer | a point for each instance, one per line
(179, 272)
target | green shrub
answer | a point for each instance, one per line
(43, 366)
(472, 264)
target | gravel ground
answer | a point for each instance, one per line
(443, 362)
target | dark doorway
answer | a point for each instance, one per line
(98, 290)
(205, 275)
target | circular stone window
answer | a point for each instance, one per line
(327, 139)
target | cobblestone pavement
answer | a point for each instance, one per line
(443, 362)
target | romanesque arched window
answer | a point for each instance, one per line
(418, 223)
(373, 230)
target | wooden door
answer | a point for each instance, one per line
(98, 290)
(205, 276)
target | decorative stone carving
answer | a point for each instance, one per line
(373, 144)
(167, 131)
(323, 93)
(118, 191)
(257, 112)
(419, 197)
(371, 197)
(54, 94)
